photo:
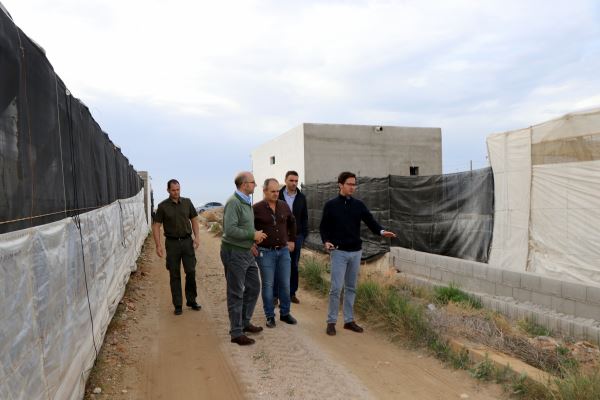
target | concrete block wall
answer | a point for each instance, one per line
(548, 301)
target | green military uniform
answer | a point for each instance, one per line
(176, 220)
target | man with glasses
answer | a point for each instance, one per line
(241, 271)
(273, 217)
(340, 233)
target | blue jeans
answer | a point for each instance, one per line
(295, 256)
(273, 263)
(344, 274)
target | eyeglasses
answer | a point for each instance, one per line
(252, 182)
(351, 184)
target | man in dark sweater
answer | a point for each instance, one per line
(297, 203)
(340, 233)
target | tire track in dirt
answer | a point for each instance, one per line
(302, 362)
(190, 356)
(284, 362)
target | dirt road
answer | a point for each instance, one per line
(190, 356)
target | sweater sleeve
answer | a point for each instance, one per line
(304, 222)
(369, 220)
(291, 227)
(231, 228)
(325, 226)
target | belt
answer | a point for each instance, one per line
(273, 247)
(178, 238)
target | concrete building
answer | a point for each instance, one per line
(319, 152)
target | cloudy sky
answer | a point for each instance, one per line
(189, 88)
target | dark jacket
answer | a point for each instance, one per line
(300, 212)
(280, 226)
(340, 223)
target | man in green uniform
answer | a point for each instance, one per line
(175, 214)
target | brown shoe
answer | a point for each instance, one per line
(275, 301)
(253, 328)
(331, 329)
(242, 340)
(353, 327)
(295, 300)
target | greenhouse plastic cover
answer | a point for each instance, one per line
(55, 160)
(46, 343)
(547, 191)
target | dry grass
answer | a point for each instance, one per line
(402, 309)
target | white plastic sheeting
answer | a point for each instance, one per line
(510, 157)
(547, 194)
(46, 345)
(565, 221)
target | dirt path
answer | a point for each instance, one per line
(190, 356)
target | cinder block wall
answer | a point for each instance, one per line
(566, 307)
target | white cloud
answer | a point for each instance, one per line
(258, 68)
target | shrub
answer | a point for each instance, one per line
(531, 328)
(577, 386)
(311, 270)
(445, 294)
(483, 370)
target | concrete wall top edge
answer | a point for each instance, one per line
(523, 273)
(313, 124)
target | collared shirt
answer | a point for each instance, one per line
(280, 226)
(244, 196)
(176, 216)
(299, 210)
(289, 198)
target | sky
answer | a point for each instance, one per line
(188, 88)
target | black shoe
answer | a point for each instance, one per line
(194, 306)
(353, 327)
(253, 329)
(331, 329)
(178, 311)
(242, 340)
(271, 322)
(288, 319)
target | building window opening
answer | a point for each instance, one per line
(414, 171)
(272, 160)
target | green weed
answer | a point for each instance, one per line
(446, 294)
(530, 327)
(311, 270)
(526, 389)
(483, 370)
(578, 386)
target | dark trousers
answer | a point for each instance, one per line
(178, 252)
(295, 256)
(243, 287)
